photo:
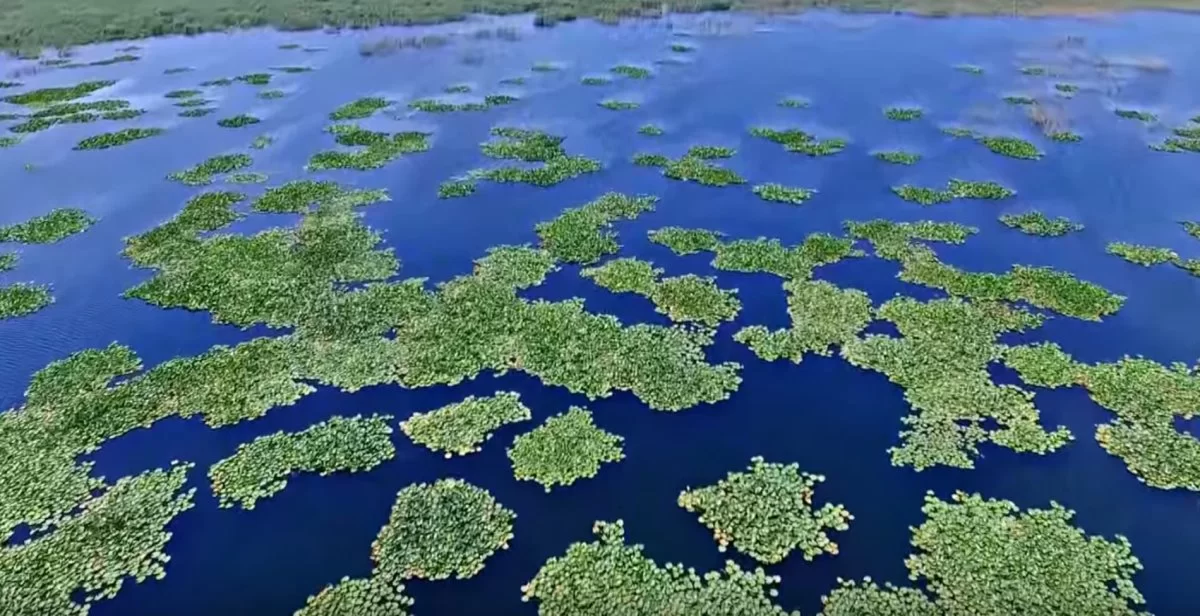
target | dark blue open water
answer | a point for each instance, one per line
(824, 414)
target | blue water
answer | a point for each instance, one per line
(829, 417)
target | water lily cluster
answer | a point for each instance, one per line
(687, 298)
(566, 448)
(463, 427)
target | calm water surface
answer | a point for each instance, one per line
(829, 417)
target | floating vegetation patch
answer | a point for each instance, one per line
(1148, 399)
(254, 79)
(375, 596)
(822, 315)
(117, 138)
(1177, 145)
(1033, 70)
(194, 102)
(651, 130)
(1037, 223)
(196, 112)
(898, 157)
(783, 194)
(795, 102)
(10, 84)
(608, 576)
(271, 94)
(1142, 255)
(977, 556)
(359, 109)
(75, 113)
(1067, 89)
(376, 149)
(796, 140)
(262, 142)
(955, 189)
(430, 105)
(593, 80)
(767, 512)
(527, 146)
(445, 529)
(8, 260)
(971, 69)
(22, 298)
(177, 70)
(682, 48)
(619, 105)
(564, 449)
(1039, 286)
(48, 228)
(546, 67)
(463, 427)
(453, 189)
(238, 121)
(247, 178)
(632, 71)
(903, 114)
(117, 535)
(292, 69)
(1019, 99)
(223, 81)
(1065, 136)
(457, 88)
(1135, 114)
(182, 94)
(940, 361)
(694, 166)
(686, 298)
(758, 255)
(260, 469)
(50, 96)
(959, 132)
(8, 141)
(221, 164)
(1011, 147)
(513, 81)
(584, 234)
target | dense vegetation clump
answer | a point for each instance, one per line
(1136, 114)
(193, 102)
(359, 109)
(375, 596)
(445, 529)
(694, 166)
(619, 105)
(903, 114)
(783, 194)
(9, 141)
(898, 157)
(376, 149)
(260, 469)
(651, 130)
(22, 298)
(528, 146)
(1142, 255)
(989, 558)
(238, 121)
(767, 512)
(795, 140)
(822, 315)
(1033, 70)
(1011, 147)
(272, 94)
(955, 189)
(262, 142)
(608, 576)
(104, 141)
(254, 79)
(583, 234)
(564, 449)
(682, 298)
(48, 228)
(181, 94)
(1019, 99)
(795, 102)
(462, 428)
(452, 189)
(49, 96)
(631, 71)
(595, 80)
(1067, 89)
(202, 174)
(758, 255)
(1065, 136)
(940, 361)
(1037, 223)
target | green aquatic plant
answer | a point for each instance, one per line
(1188, 132)
(651, 160)
(546, 67)
(262, 142)
(1148, 400)
(196, 112)
(783, 194)
(10, 84)
(301, 196)
(1192, 228)
(22, 298)
(177, 70)
(959, 132)
(49, 96)
(940, 362)
(822, 315)
(271, 94)
(463, 427)
(104, 141)
(496, 100)
(609, 576)
(687, 298)
(194, 102)
(971, 69)
(696, 169)
(767, 512)
(584, 234)
(1033, 70)
(1066, 88)
(254, 79)
(970, 189)
(452, 189)
(122, 114)
(989, 557)
(377, 149)
(1037, 223)
(359, 109)
(513, 81)
(758, 255)
(531, 146)
(795, 102)
(564, 449)
(292, 69)
(252, 177)
(117, 535)
(1135, 114)
(682, 48)
(1019, 99)
(594, 80)
(177, 94)
(632, 71)
(8, 260)
(903, 114)
(922, 195)
(710, 152)
(1177, 145)
(202, 174)
(1142, 255)
(375, 596)
(260, 469)
(1065, 136)
(898, 157)
(651, 130)
(619, 105)
(59, 224)
(9, 141)
(445, 529)
(458, 88)
(1011, 147)
(238, 121)
(221, 82)
(796, 140)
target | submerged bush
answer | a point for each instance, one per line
(783, 194)
(48, 228)
(1037, 223)
(564, 449)
(462, 428)
(117, 138)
